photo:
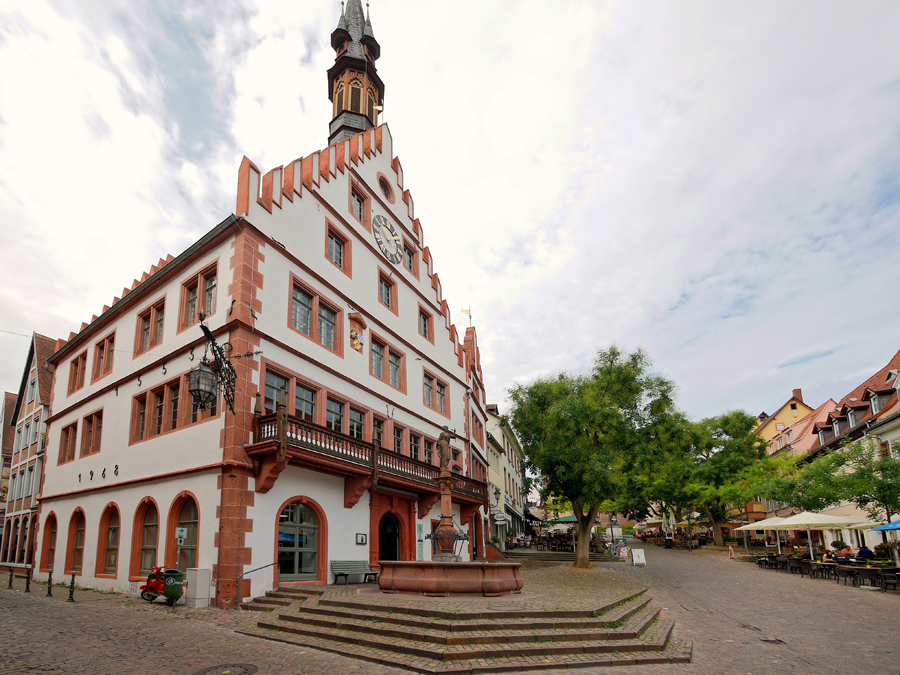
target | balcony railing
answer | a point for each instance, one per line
(324, 441)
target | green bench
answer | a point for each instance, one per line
(343, 568)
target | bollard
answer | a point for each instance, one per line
(72, 589)
(10, 577)
(50, 584)
(28, 580)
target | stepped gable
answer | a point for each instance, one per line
(154, 269)
(287, 182)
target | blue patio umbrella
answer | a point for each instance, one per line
(887, 526)
(285, 538)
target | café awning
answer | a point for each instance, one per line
(761, 524)
(815, 521)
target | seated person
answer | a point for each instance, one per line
(864, 552)
(844, 552)
(827, 557)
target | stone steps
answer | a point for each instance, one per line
(281, 598)
(656, 647)
(625, 630)
(464, 644)
(496, 614)
(607, 616)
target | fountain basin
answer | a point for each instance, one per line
(450, 578)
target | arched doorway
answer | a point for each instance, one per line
(298, 544)
(388, 538)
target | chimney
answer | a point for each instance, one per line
(798, 394)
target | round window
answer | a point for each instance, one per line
(386, 189)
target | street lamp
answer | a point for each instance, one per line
(203, 385)
(206, 379)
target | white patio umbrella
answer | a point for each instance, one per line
(815, 521)
(765, 525)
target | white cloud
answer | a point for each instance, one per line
(716, 184)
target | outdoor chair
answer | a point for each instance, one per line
(771, 561)
(845, 573)
(887, 579)
(782, 562)
(821, 570)
(794, 565)
(867, 574)
(806, 568)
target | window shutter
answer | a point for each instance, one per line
(885, 450)
(372, 109)
(355, 102)
(339, 108)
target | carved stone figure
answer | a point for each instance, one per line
(444, 451)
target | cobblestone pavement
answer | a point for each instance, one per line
(747, 621)
(741, 620)
(104, 633)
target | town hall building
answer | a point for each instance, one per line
(322, 295)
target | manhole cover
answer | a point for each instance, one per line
(229, 669)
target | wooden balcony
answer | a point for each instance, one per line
(281, 440)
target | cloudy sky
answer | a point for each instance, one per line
(718, 183)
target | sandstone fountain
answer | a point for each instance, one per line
(445, 574)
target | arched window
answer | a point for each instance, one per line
(149, 539)
(7, 538)
(370, 107)
(108, 542)
(339, 100)
(188, 518)
(23, 540)
(49, 549)
(75, 544)
(298, 543)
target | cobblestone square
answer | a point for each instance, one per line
(740, 619)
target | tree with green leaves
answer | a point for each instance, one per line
(857, 473)
(579, 431)
(725, 448)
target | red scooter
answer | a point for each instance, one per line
(154, 587)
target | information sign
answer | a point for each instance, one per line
(637, 556)
(180, 532)
(623, 551)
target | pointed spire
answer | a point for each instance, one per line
(367, 29)
(342, 22)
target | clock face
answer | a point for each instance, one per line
(388, 240)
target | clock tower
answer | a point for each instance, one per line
(354, 88)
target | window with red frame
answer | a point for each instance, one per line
(76, 372)
(67, 443)
(103, 356)
(150, 326)
(198, 296)
(91, 431)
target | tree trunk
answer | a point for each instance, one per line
(583, 542)
(716, 528)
